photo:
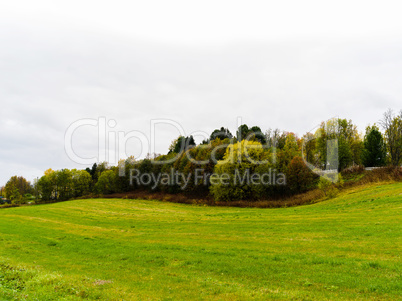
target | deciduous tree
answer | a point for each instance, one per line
(392, 126)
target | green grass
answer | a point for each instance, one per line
(113, 249)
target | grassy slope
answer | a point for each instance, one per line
(345, 248)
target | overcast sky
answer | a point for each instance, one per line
(202, 65)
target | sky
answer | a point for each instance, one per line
(86, 81)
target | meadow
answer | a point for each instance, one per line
(346, 248)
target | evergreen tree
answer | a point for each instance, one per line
(374, 152)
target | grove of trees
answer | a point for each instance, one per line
(281, 161)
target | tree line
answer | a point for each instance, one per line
(224, 156)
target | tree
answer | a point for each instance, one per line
(310, 153)
(350, 144)
(231, 178)
(106, 183)
(374, 152)
(64, 184)
(100, 168)
(16, 187)
(242, 132)
(48, 185)
(253, 134)
(201, 160)
(123, 174)
(256, 134)
(221, 133)
(56, 185)
(392, 126)
(344, 153)
(45, 188)
(81, 182)
(181, 144)
(92, 171)
(338, 136)
(275, 138)
(284, 156)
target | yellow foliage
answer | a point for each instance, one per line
(49, 171)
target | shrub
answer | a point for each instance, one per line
(329, 188)
(299, 177)
(324, 184)
(332, 192)
(340, 182)
(355, 169)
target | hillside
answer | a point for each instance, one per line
(345, 248)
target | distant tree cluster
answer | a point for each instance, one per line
(64, 184)
(18, 189)
(225, 158)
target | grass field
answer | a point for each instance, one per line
(114, 249)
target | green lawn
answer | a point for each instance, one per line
(113, 249)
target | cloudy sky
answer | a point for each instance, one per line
(96, 69)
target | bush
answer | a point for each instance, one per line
(299, 177)
(332, 192)
(324, 184)
(340, 182)
(329, 188)
(355, 169)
